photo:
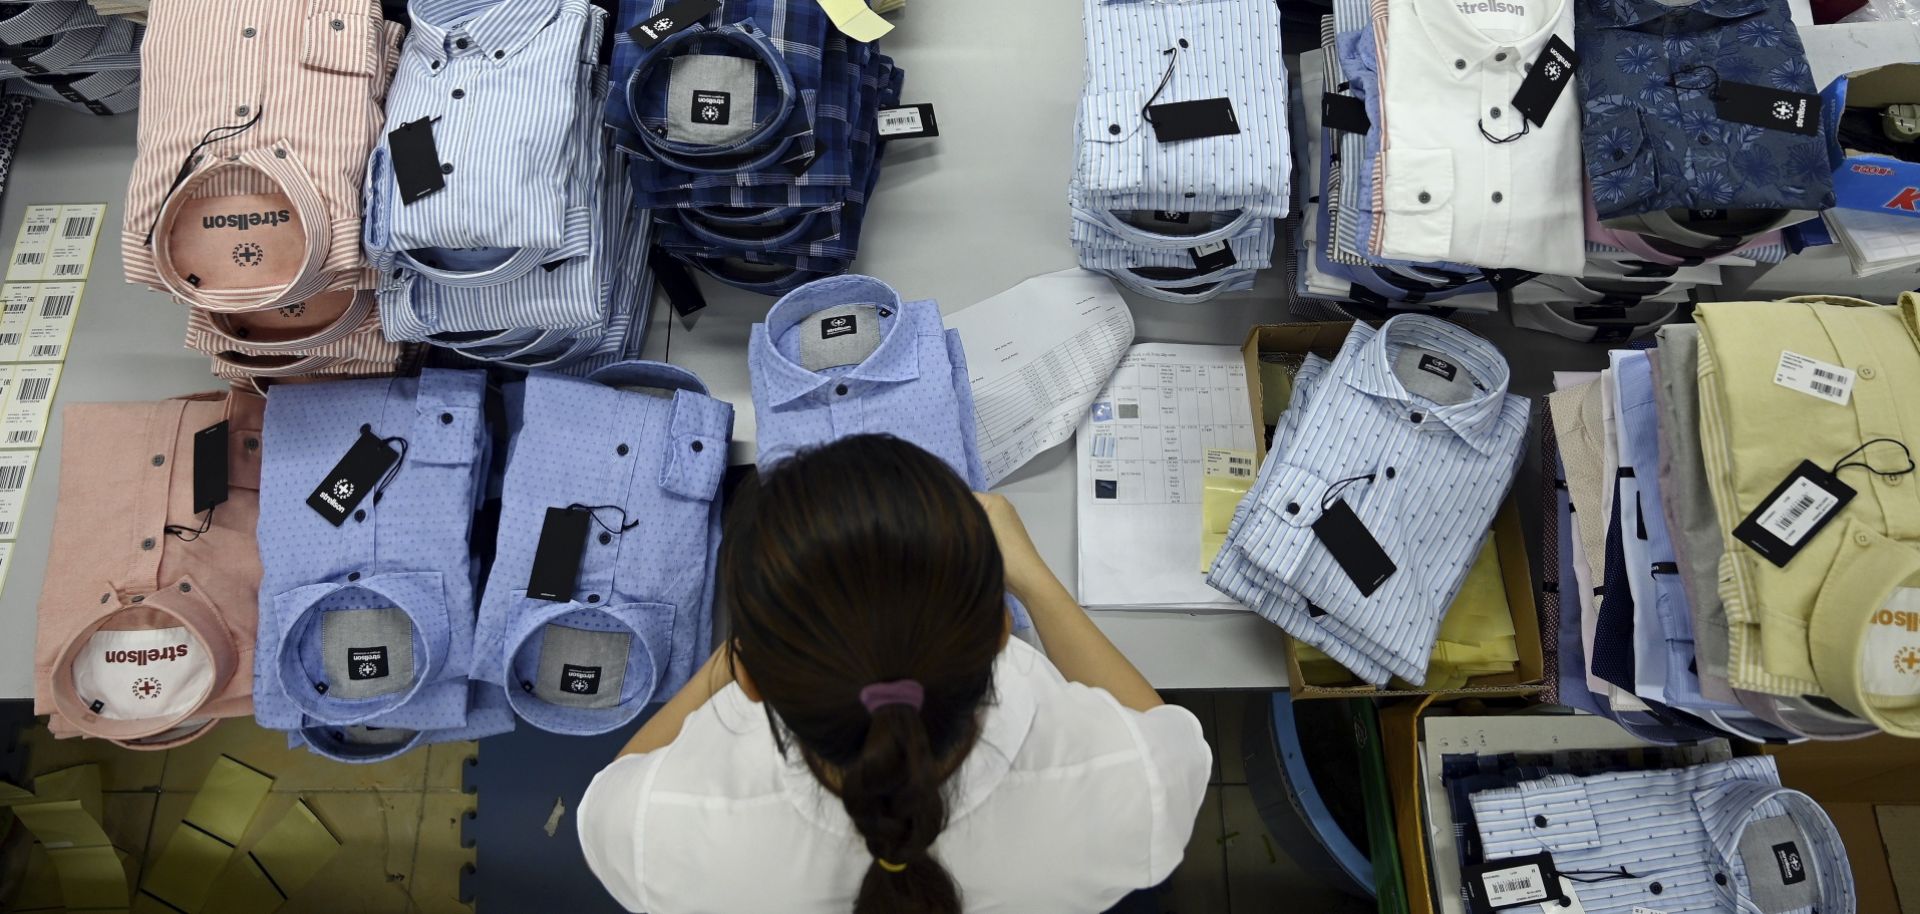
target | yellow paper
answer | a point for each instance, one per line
(227, 800)
(62, 824)
(144, 903)
(91, 878)
(856, 20)
(10, 794)
(242, 888)
(296, 848)
(81, 782)
(1228, 476)
(40, 886)
(184, 872)
(1276, 387)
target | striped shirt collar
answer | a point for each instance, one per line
(1477, 419)
(495, 29)
(1730, 807)
(278, 164)
(896, 359)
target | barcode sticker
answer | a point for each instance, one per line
(1815, 378)
(16, 474)
(1515, 885)
(1793, 515)
(27, 262)
(6, 563)
(55, 309)
(907, 122)
(70, 254)
(29, 403)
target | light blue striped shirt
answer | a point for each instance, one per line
(1722, 837)
(1414, 429)
(1201, 49)
(502, 82)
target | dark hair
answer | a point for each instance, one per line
(861, 561)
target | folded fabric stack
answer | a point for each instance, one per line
(491, 214)
(771, 196)
(1173, 213)
(633, 480)
(1378, 494)
(147, 614)
(1743, 581)
(246, 206)
(368, 492)
(72, 54)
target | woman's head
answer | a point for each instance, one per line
(860, 562)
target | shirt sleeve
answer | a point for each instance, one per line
(610, 825)
(1178, 762)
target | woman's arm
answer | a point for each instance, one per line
(1076, 646)
(665, 725)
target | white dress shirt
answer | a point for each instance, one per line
(1451, 193)
(1067, 802)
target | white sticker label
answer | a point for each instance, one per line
(1890, 659)
(1797, 510)
(1814, 377)
(1229, 463)
(143, 674)
(16, 471)
(900, 120)
(29, 401)
(1208, 250)
(1640, 910)
(29, 259)
(50, 320)
(1515, 885)
(70, 251)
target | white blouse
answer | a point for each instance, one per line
(1067, 802)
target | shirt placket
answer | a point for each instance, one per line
(844, 406)
(1498, 119)
(1681, 74)
(1876, 408)
(395, 416)
(155, 489)
(244, 46)
(618, 478)
(466, 63)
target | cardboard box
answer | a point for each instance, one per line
(1872, 182)
(1871, 789)
(1323, 339)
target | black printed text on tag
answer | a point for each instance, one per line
(1511, 882)
(1210, 257)
(714, 108)
(671, 20)
(1438, 367)
(362, 468)
(1796, 511)
(1550, 73)
(908, 122)
(1763, 106)
(579, 680)
(367, 662)
(843, 325)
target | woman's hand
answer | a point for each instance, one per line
(1027, 573)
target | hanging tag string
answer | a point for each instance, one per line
(186, 164)
(593, 511)
(189, 534)
(1174, 54)
(1712, 86)
(1333, 491)
(1526, 127)
(1598, 875)
(393, 472)
(1847, 461)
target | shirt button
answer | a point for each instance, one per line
(1656, 888)
(1293, 507)
(1418, 418)
(1390, 472)
(360, 516)
(605, 538)
(147, 543)
(1459, 64)
(434, 65)
(841, 390)
(499, 54)
(279, 153)
(698, 447)
(1859, 539)
(446, 168)
(159, 459)
(139, 599)
(1539, 821)
(459, 93)
(355, 576)
(446, 418)
(248, 32)
(1113, 129)
(1619, 154)
(105, 597)
(242, 111)
(186, 587)
(621, 450)
(1495, 111)
(1704, 140)
(1426, 197)
(461, 44)
(1500, 56)
(1719, 879)
(1183, 43)
(1497, 197)
(1866, 371)
(336, 25)
(593, 598)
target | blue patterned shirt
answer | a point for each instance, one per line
(1653, 145)
(640, 621)
(371, 622)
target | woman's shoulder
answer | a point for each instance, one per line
(1075, 724)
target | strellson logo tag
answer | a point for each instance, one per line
(244, 221)
(1907, 620)
(151, 655)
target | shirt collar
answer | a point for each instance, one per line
(500, 28)
(1004, 726)
(1730, 807)
(1624, 13)
(1473, 51)
(1477, 419)
(182, 600)
(897, 358)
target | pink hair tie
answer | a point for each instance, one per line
(898, 692)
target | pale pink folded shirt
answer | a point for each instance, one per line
(1633, 243)
(272, 107)
(132, 567)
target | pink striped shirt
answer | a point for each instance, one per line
(289, 343)
(256, 120)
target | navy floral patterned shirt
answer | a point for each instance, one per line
(1651, 131)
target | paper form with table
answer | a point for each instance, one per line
(1036, 356)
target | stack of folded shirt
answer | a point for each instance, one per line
(751, 135)
(147, 615)
(368, 493)
(490, 211)
(68, 52)
(1386, 471)
(631, 481)
(245, 199)
(1176, 214)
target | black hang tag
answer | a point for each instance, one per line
(677, 281)
(367, 662)
(671, 20)
(1762, 106)
(1438, 367)
(831, 327)
(1584, 313)
(1353, 546)
(1210, 257)
(1176, 121)
(1344, 113)
(907, 122)
(1512, 882)
(1550, 73)
(710, 107)
(1793, 868)
(209, 467)
(416, 160)
(1794, 513)
(1362, 295)
(579, 680)
(556, 560)
(352, 478)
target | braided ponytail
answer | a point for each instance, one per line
(867, 602)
